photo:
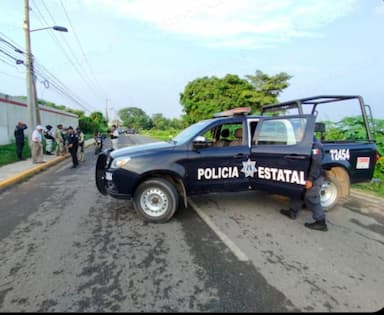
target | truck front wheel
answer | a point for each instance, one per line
(156, 200)
(330, 192)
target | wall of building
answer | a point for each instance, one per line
(13, 110)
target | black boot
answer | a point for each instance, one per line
(290, 213)
(317, 225)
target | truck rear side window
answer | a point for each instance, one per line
(288, 131)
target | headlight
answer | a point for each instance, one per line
(120, 162)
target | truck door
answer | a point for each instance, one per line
(217, 167)
(280, 154)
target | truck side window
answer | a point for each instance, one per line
(282, 131)
(223, 135)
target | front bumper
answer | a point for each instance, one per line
(114, 182)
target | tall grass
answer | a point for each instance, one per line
(8, 153)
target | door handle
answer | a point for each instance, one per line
(239, 155)
(295, 157)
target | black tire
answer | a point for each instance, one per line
(156, 200)
(330, 193)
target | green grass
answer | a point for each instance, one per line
(163, 135)
(8, 153)
(376, 189)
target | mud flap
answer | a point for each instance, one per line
(100, 173)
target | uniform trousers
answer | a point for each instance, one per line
(311, 200)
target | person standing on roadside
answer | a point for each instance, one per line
(312, 192)
(60, 150)
(114, 137)
(49, 139)
(98, 141)
(37, 145)
(72, 145)
(19, 137)
(80, 152)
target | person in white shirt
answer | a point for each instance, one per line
(114, 137)
(37, 145)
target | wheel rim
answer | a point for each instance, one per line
(154, 202)
(328, 193)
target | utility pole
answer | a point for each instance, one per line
(31, 105)
(32, 102)
(35, 100)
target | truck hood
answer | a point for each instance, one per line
(142, 148)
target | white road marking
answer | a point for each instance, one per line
(224, 238)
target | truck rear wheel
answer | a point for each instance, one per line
(156, 200)
(330, 193)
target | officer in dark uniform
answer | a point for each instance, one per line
(312, 193)
(73, 144)
(19, 137)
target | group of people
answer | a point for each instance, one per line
(67, 140)
(71, 141)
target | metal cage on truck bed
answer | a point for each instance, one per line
(323, 99)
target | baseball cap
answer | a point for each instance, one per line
(40, 127)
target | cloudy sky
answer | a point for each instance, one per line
(142, 53)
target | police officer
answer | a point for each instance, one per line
(19, 137)
(73, 143)
(312, 192)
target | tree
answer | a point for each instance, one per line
(352, 128)
(134, 117)
(95, 121)
(159, 122)
(269, 87)
(208, 95)
(205, 96)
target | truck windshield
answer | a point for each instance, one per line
(191, 131)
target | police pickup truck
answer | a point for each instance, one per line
(236, 151)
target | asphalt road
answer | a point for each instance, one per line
(66, 248)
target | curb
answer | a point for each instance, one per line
(19, 177)
(38, 168)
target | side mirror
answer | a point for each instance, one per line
(200, 142)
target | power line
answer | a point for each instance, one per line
(81, 48)
(45, 74)
(6, 62)
(11, 45)
(9, 55)
(76, 68)
(11, 75)
(10, 42)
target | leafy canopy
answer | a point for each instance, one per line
(205, 96)
(134, 117)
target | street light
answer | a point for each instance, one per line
(56, 28)
(33, 110)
